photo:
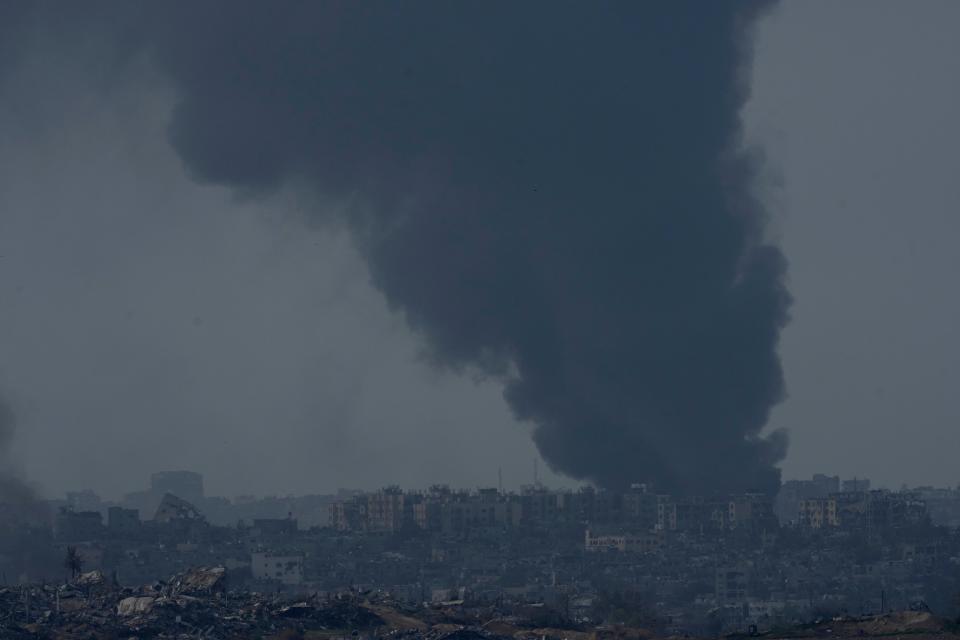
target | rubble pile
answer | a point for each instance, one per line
(199, 581)
(197, 603)
(915, 623)
(193, 604)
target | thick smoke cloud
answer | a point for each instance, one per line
(25, 550)
(551, 192)
(15, 495)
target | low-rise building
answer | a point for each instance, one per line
(286, 569)
(637, 542)
(121, 521)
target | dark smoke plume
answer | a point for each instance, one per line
(25, 551)
(552, 192)
(17, 499)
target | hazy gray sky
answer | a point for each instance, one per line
(856, 103)
(154, 324)
(150, 323)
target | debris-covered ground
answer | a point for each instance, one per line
(190, 605)
(198, 604)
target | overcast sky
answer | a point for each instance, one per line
(151, 323)
(856, 103)
(156, 324)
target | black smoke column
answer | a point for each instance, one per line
(549, 191)
(26, 546)
(17, 499)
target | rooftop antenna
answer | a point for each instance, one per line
(500, 479)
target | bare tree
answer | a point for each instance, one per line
(73, 562)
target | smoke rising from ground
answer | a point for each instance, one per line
(19, 503)
(24, 552)
(550, 193)
(15, 496)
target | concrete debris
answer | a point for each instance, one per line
(173, 508)
(135, 605)
(90, 579)
(199, 581)
(192, 604)
(197, 604)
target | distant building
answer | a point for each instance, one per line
(787, 503)
(286, 569)
(855, 485)
(857, 510)
(693, 514)
(642, 542)
(387, 510)
(539, 505)
(174, 508)
(183, 484)
(818, 513)
(346, 515)
(460, 517)
(640, 506)
(826, 484)
(76, 526)
(276, 526)
(890, 510)
(732, 584)
(123, 521)
(943, 505)
(751, 511)
(85, 500)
